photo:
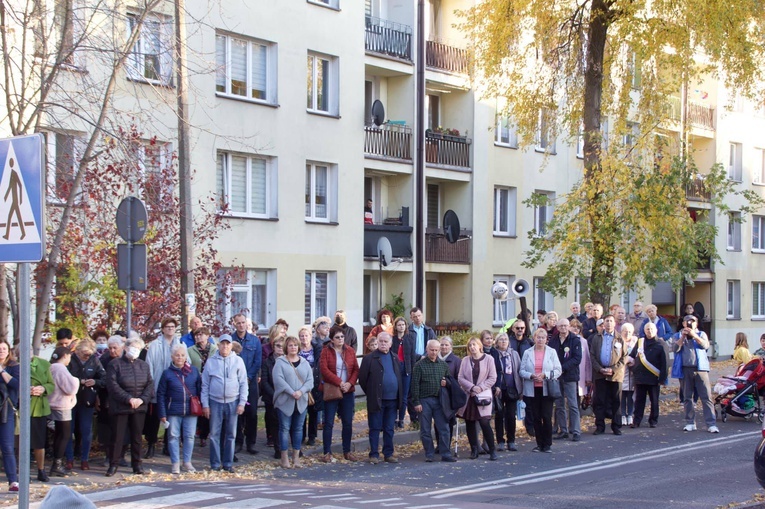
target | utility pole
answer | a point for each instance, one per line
(184, 168)
(419, 165)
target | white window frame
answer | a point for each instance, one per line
(331, 193)
(224, 68)
(78, 146)
(333, 4)
(734, 232)
(503, 308)
(267, 278)
(735, 152)
(548, 303)
(733, 298)
(758, 299)
(580, 143)
(312, 310)
(506, 127)
(758, 240)
(758, 172)
(224, 184)
(136, 62)
(511, 198)
(543, 144)
(543, 215)
(580, 284)
(330, 84)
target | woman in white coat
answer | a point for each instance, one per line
(538, 364)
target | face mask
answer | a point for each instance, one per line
(339, 320)
(101, 347)
(133, 352)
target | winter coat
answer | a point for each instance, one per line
(224, 380)
(550, 364)
(173, 397)
(487, 379)
(288, 379)
(514, 359)
(654, 354)
(267, 380)
(454, 364)
(569, 354)
(371, 376)
(195, 358)
(127, 379)
(40, 376)
(328, 366)
(159, 358)
(64, 395)
(91, 369)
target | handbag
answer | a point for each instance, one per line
(311, 401)
(483, 398)
(553, 386)
(331, 392)
(195, 405)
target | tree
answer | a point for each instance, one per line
(563, 67)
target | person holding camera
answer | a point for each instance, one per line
(692, 344)
(477, 377)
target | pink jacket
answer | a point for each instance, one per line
(64, 395)
(487, 377)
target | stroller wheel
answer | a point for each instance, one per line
(759, 417)
(724, 417)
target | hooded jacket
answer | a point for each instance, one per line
(224, 380)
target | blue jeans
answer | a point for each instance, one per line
(186, 424)
(220, 412)
(290, 427)
(384, 421)
(432, 413)
(82, 425)
(345, 408)
(406, 381)
(7, 444)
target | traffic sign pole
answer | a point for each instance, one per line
(25, 358)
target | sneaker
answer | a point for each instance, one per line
(229, 470)
(536, 449)
(630, 420)
(374, 460)
(576, 437)
(624, 420)
(561, 436)
(175, 468)
(714, 429)
(13, 487)
(689, 427)
(188, 467)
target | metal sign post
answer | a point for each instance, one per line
(131, 257)
(22, 241)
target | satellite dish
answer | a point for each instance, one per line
(384, 251)
(378, 112)
(499, 291)
(451, 226)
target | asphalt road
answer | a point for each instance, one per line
(660, 467)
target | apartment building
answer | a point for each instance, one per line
(283, 132)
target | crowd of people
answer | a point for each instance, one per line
(200, 388)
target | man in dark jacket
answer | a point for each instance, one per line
(569, 350)
(351, 338)
(380, 378)
(650, 371)
(589, 326)
(415, 340)
(253, 358)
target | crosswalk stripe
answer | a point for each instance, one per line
(347, 498)
(332, 496)
(379, 500)
(128, 491)
(252, 503)
(167, 501)
(429, 506)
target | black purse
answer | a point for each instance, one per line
(553, 387)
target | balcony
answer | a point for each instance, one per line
(439, 250)
(447, 150)
(698, 115)
(390, 141)
(387, 38)
(399, 235)
(695, 190)
(442, 57)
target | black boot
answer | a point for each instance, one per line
(473, 453)
(111, 470)
(57, 468)
(149, 452)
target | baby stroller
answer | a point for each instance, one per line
(740, 395)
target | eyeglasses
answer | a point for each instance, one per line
(519, 329)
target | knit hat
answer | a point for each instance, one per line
(64, 497)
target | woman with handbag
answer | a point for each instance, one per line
(478, 374)
(270, 416)
(339, 372)
(9, 389)
(87, 368)
(62, 401)
(540, 369)
(178, 403)
(293, 381)
(508, 392)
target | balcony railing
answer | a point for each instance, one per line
(699, 115)
(447, 150)
(388, 140)
(443, 57)
(400, 237)
(388, 38)
(696, 190)
(439, 250)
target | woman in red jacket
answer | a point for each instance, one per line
(339, 372)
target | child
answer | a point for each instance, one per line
(761, 351)
(741, 350)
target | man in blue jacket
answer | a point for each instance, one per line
(252, 356)
(692, 344)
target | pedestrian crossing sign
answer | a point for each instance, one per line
(22, 236)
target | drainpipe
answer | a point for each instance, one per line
(419, 163)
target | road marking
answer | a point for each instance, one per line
(129, 491)
(332, 496)
(427, 506)
(350, 497)
(379, 500)
(167, 501)
(586, 467)
(252, 503)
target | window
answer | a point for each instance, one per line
(320, 192)
(734, 231)
(542, 298)
(64, 152)
(581, 289)
(635, 70)
(580, 143)
(758, 234)
(335, 4)
(503, 311)
(758, 172)
(504, 211)
(734, 161)
(69, 25)
(319, 294)
(734, 299)
(322, 84)
(151, 59)
(249, 291)
(758, 300)
(157, 174)
(246, 185)
(543, 213)
(245, 68)
(433, 206)
(433, 105)
(545, 133)
(506, 134)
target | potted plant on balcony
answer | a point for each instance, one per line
(445, 133)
